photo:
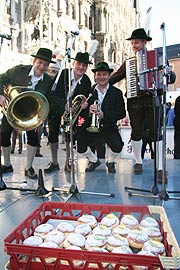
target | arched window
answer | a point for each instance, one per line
(85, 46)
(98, 22)
(86, 21)
(73, 10)
(106, 20)
(67, 7)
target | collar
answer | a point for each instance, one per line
(73, 77)
(31, 73)
(105, 89)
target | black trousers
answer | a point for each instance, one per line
(54, 126)
(6, 130)
(110, 136)
(141, 109)
(176, 144)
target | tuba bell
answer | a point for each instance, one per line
(25, 109)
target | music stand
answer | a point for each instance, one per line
(163, 194)
(41, 191)
(71, 190)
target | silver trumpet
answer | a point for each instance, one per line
(95, 123)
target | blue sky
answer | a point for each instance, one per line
(162, 11)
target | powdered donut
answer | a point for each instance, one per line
(74, 239)
(87, 219)
(121, 230)
(49, 244)
(137, 238)
(83, 229)
(148, 222)
(56, 237)
(155, 247)
(102, 230)
(94, 241)
(130, 221)
(33, 241)
(123, 250)
(43, 229)
(110, 221)
(65, 227)
(116, 241)
(153, 233)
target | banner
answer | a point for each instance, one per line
(127, 151)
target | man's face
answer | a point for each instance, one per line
(102, 78)
(138, 45)
(79, 69)
(40, 66)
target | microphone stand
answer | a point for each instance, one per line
(163, 194)
(156, 106)
(73, 189)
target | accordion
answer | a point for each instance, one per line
(138, 82)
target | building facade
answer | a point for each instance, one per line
(103, 26)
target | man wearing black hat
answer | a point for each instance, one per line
(107, 106)
(35, 78)
(80, 85)
(141, 106)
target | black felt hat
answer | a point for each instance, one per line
(139, 34)
(44, 54)
(102, 66)
(82, 57)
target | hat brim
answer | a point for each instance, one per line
(43, 58)
(88, 62)
(145, 38)
(108, 70)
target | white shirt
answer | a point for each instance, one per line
(34, 79)
(73, 83)
(101, 95)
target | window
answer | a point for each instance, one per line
(67, 7)
(85, 20)
(73, 11)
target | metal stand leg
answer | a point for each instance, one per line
(154, 191)
(41, 191)
(72, 189)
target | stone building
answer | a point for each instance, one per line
(103, 26)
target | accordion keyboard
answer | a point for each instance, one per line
(131, 77)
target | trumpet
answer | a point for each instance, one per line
(77, 108)
(95, 123)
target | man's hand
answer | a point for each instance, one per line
(84, 105)
(94, 108)
(2, 101)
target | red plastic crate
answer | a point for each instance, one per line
(35, 258)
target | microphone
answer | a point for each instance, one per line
(162, 26)
(6, 36)
(75, 33)
(149, 70)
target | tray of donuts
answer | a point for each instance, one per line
(87, 236)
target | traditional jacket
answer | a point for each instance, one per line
(19, 76)
(113, 106)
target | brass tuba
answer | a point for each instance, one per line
(76, 110)
(95, 122)
(25, 109)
